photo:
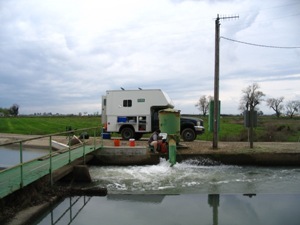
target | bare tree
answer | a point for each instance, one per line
(251, 98)
(276, 105)
(249, 101)
(14, 110)
(292, 107)
(203, 104)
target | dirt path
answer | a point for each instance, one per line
(194, 147)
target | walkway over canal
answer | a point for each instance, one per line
(24, 173)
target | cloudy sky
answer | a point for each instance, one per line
(61, 56)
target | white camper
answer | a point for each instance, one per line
(133, 112)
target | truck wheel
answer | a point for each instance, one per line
(188, 134)
(127, 133)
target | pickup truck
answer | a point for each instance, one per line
(190, 128)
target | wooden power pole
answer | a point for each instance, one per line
(216, 82)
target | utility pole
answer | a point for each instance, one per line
(216, 84)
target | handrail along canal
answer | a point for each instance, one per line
(24, 173)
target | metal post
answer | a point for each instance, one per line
(69, 148)
(50, 166)
(172, 150)
(52, 216)
(216, 84)
(71, 208)
(21, 163)
(83, 150)
(101, 136)
(251, 117)
(95, 138)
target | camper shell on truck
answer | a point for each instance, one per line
(133, 113)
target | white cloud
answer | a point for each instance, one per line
(63, 55)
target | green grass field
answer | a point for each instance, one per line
(268, 128)
(46, 125)
(232, 127)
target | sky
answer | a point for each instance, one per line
(61, 56)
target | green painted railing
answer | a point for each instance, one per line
(24, 173)
(69, 211)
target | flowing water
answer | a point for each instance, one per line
(192, 177)
(187, 193)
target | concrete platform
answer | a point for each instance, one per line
(124, 155)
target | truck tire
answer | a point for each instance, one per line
(188, 134)
(127, 133)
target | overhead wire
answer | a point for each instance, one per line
(259, 45)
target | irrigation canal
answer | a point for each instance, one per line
(187, 193)
(204, 192)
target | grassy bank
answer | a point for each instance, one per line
(46, 125)
(232, 127)
(268, 128)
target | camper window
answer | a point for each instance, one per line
(141, 100)
(127, 103)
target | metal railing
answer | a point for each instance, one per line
(24, 173)
(71, 212)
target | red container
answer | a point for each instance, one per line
(117, 142)
(131, 142)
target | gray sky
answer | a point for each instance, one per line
(61, 56)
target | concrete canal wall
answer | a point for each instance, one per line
(123, 155)
(245, 159)
(289, 155)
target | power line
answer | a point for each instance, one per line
(259, 45)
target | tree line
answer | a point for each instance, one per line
(12, 111)
(251, 98)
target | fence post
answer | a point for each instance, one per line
(101, 136)
(21, 163)
(83, 150)
(69, 144)
(50, 152)
(95, 130)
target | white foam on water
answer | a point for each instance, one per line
(192, 176)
